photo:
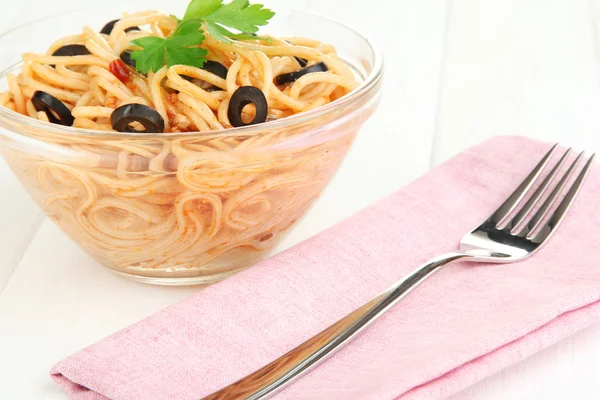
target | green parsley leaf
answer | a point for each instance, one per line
(238, 4)
(223, 34)
(183, 46)
(191, 27)
(218, 32)
(201, 8)
(152, 55)
(180, 48)
(240, 15)
(179, 55)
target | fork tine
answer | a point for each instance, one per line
(509, 205)
(537, 218)
(564, 206)
(530, 204)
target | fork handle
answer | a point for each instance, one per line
(274, 376)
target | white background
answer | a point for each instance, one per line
(458, 71)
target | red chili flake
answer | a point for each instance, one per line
(120, 70)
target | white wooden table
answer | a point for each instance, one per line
(458, 71)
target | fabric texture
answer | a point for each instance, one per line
(468, 321)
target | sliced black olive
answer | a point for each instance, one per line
(240, 99)
(55, 110)
(301, 61)
(291, 77)
(126, 58)
(122, 118)
(71, 50)
(215, 68)
(107, 29)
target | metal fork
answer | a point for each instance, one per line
(510, 234)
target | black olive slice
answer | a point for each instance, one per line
(301, 61)
(71, 50)
(55, 109)
(126, 58)
(291, 77)
(240, 99)
(215, 68)
(107, 29)
(122, 118)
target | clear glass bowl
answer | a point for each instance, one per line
(186, 208)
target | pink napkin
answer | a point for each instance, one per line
(465, 323)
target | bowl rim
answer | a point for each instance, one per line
(366, 86)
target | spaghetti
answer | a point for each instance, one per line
(179, 207)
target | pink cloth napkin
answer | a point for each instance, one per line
(465, 323)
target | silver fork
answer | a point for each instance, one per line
(510, 234)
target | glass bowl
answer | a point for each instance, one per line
(186, 208)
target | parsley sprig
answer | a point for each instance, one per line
(183, 46)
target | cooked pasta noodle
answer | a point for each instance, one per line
(184, 206)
